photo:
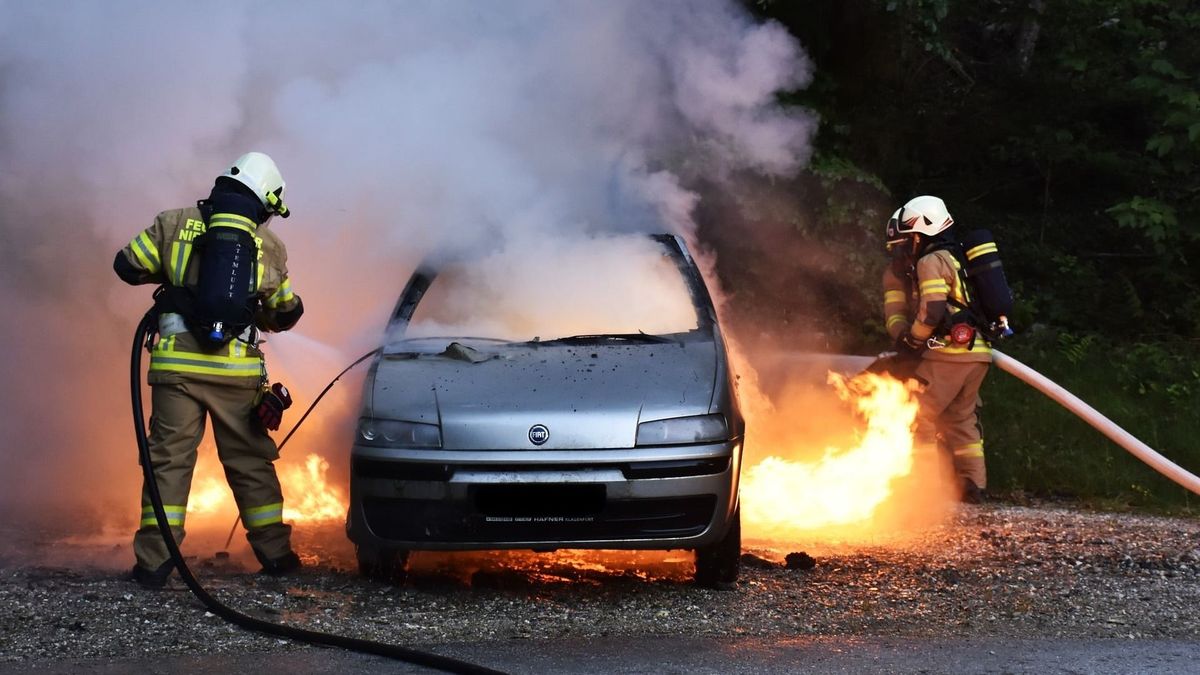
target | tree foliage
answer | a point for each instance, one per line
(1072, 130)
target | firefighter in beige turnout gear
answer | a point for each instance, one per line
(191, 379)
(922, 289)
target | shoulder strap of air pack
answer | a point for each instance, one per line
(955, 250)
(974, 313)
(179, 252)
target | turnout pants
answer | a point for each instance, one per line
(246, 453)
(949, 413)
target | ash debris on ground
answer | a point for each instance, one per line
(995, 571)
(799, 560)
(796, 560)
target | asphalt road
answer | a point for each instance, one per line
(838, 654)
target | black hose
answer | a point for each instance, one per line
(364, 357)
(427, 659)
(324, 391)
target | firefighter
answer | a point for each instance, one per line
(195, 375)
(924, 297)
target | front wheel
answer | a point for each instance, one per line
(717, 563)
(386, 565)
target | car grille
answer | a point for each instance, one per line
(378, 468)
(558, 514)
(425, 471)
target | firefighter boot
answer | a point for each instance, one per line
(971, 494)
(152, 580)
(277, 567)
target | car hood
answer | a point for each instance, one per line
(587, 396)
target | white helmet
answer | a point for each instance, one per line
(925, 215)
(258, 172)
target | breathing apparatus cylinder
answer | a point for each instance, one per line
(989, 286)
(224, 292)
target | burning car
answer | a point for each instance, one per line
(565, 397)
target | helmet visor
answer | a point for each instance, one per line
(895, 238)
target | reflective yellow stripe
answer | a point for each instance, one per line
(168, 508)
(173, 265)
(981, 249)
(171, 520)
(137, 253)
(263, 515)
(283, 295)
(146, 252)
(181, 252)
(233, 220)
(893, 296)
(960, 292)
(970, 450)
(174, 513)
(227, 366)
(896, 318)
(940, 288)
(981, 347)
(165, 358)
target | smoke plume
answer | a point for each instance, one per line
(401, 129)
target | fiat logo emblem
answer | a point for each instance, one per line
(538, 434)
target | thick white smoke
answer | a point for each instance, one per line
(399, 127)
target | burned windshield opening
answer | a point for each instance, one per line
(638, 289)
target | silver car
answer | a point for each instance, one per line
(551, 400)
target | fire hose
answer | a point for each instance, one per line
(1101, 423)
(145, 329)
(364, 357)
(1092, 416)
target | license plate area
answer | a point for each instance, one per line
(532, 500)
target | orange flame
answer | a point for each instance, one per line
(210, 495)
(843, 490)
(308, 495)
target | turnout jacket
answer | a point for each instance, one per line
(161, 254)
(920, 304)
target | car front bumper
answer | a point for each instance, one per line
(639, 498)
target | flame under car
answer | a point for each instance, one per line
(546, 401)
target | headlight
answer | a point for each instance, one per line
(396, 434)
(681, 430)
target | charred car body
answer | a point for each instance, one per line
(617, 439)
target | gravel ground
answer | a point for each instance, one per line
(994, 572)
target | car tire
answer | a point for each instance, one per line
(717, 564)
(382, 564)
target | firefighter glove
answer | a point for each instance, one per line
(898, 367)
(269, 411)
(908, 346)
